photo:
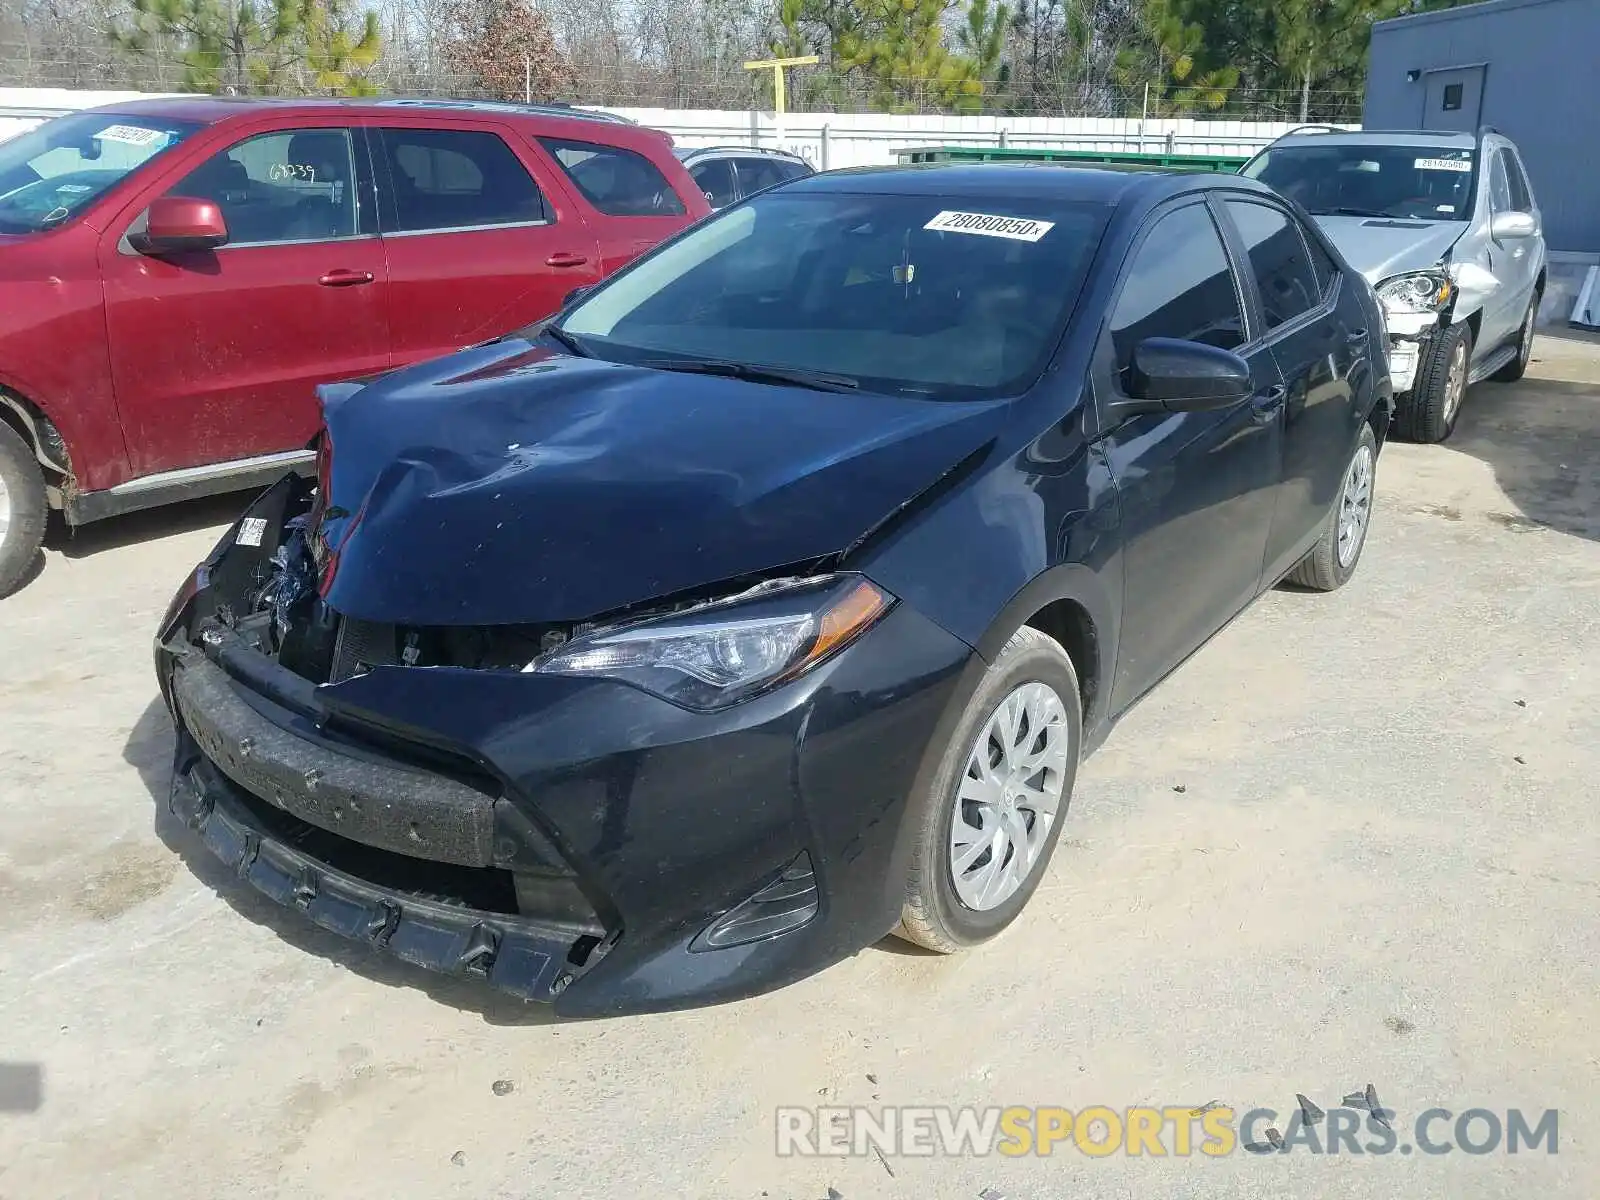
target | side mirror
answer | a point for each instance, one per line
(179, 223)
(1504, 226)
(1182, 376)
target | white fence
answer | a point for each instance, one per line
(829, 140)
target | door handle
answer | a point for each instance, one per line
(1356, 337)
(344, 278)
(565, 258)
(1266, 404)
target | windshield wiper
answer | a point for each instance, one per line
(819, 381)
(556, 334)
(1352, 212)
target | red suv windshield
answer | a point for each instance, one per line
(53, 172)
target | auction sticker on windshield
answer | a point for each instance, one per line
(1018, 229)
(133, 135)
(1464, 166)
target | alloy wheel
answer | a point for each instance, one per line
(1355, 506)
(1009, 796)
(5, 510)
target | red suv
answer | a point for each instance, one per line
(177, 275)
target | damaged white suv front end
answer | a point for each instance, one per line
(1445, 227)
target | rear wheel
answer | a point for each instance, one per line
(990, 821)
(22, 509)
(1518, 366)
(1428, 413)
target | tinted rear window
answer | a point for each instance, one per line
(617, 182)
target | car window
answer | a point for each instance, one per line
(758, 173)
(1433, 183)
(57, 169)
(617, 182)
(1179, 285)
(1521, 194)
(1499, 184)
(1278, 261)
(1327, 270)
(288, 186)
(952, 299)
(714, 177)
(441, 179)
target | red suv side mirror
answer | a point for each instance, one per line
(176, 223)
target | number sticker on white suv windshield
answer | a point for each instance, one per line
(1443, 164)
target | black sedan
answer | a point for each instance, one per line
(764, 601)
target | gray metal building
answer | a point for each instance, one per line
(1527, 67)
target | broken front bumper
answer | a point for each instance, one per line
(566, 840)
(1410, 336)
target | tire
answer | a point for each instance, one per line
(22, 509)
(935, 914)
(1326, 568)
(1518, 366)
(1428, 412)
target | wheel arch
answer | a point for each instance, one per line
(42, 436)
(1068, 604)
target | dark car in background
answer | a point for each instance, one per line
(177, 275)
(730, 173)
(765, 600)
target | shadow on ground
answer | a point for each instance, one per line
(149, 752)
(1541, 437)
(167, 521)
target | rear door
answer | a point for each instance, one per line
(1321, 344)
(215, 353)
(479, 241)
(1196, 489)
(635, 206)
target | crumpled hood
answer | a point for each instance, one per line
(508, 484)
(1379, 247)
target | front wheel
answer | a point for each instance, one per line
(1428, 412)
(1344, 532)
(988, 824)
(22, 509)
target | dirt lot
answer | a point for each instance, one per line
(1355, 840)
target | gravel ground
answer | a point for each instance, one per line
(1352, 841)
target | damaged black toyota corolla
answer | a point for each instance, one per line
(764, 601)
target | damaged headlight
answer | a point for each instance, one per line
(725, 652)
(1417, 292)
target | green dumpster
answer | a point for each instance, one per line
(1226, 163)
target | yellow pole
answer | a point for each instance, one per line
(777, 65)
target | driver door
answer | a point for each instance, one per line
(216, 354)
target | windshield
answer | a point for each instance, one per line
(954, 298)
(1430, 183)
(57, 169)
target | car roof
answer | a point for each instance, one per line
(1047, 180)
(210, 109)
(687, 152)
(1323, 136)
